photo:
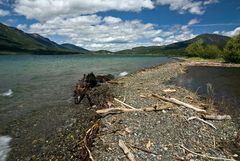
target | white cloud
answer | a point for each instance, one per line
(111, 33)
(4, 12)
(95, 32)
(158, 40)
(232, 33)
(76, 21)
(193, 22)
(22, 27)
(110, 19)
(36, 9)
(210, 2)
(191, 6)
(68, 8)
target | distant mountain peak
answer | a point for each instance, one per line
(17, 41)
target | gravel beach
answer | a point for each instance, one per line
(162, 135)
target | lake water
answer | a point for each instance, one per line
(225, 82)
(36, 81)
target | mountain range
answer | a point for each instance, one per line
(178, 48)
(14, 41)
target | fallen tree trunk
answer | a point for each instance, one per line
(147, 109)
(217, 117)
(177, 102)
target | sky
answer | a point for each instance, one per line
(121, 24)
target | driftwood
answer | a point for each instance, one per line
(168, 90)
(126, 151)
(177, 102)
(88, 82)
(83, 86)
(147, 109)
(199, 119)
(205, 156)
(87, 140)
(217, 117)
(124, 103)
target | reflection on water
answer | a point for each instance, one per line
(225, 81)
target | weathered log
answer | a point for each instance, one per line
(177, 102)
(126, 151)
(84, 86)
(124, 103)
(199, 119)
(147, 109)
(168, 90)
(217, 117)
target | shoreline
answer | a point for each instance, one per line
(65, 141)
(142, 129)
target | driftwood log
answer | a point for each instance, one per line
(146, 109)
(84, 86)
(217, 117)
(199, 119)
(127, 105)
(177, 102)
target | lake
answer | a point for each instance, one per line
(38, 81)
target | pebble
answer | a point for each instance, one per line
(235, 155)
(165, 148)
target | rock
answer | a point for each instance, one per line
(235, 155)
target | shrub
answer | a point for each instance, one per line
(232, 50)
(211, 52)
(195, 49)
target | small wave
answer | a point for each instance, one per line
(9, 93)
(4, 147)
(123, 74)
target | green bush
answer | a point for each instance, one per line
(232, 50)
(211, 52)
(195, 49)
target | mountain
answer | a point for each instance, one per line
(208, 39)
(13, 40)
(179, 47)
(74, 48)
